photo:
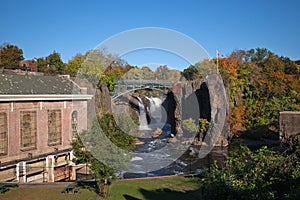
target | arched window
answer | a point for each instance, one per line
(28, 122)
(3, 134)
(74, 123)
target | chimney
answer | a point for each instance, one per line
(83, 90)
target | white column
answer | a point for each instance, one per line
(18, 172)
(11, 106)
(24, 172)
(41, 105)
(73, 168)
(47, 163)
(47, 170)
(71, 157)
(52, 168)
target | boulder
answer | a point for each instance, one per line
(157, 133)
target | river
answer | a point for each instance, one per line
(159, 157)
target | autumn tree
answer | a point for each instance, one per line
(10, 55)
(74, 64)
(260, 84)
(97, 66)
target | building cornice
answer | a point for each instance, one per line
(45, 97)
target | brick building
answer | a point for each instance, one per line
(28, 65)
(39, 116)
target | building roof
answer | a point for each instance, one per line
(12, 84)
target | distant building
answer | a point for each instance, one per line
(28, 65)
(39, 116)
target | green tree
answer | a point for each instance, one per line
(101, 172)
(42, 64)
(191, 73)
(96, 63)
(55, 64)
(114, 130)
(104, 148)
(190, 125)
(10, 55)
(52, 64)
(74, 64)
(200, 129)
(100, 65)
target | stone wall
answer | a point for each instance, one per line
(289, 124)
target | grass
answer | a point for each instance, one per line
(175, 188)
(46, 194)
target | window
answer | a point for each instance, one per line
(74, 122)
(54, 127)
(3, 134)
(28, 120)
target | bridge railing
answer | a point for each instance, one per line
(144, 82)
(124, 86)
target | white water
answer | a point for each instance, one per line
(142, 117)
(155, 110)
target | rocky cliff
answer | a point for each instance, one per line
(196, 99)
(207, 99)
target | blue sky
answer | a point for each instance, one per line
(73, 26)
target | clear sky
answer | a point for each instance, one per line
(73, 26)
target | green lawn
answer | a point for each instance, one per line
(175, 188)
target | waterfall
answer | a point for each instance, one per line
(142, 117)
(155, 110)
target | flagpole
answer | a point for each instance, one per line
(217, 61)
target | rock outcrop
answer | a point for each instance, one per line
(208, 99)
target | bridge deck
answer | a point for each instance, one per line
(124, 86)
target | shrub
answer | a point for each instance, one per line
(263, 174)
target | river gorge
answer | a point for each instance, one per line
(163, 147)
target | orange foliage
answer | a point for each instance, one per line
(237, 118)
(230, 64)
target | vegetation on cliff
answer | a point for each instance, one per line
(260, 84)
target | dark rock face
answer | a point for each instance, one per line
(207, 99)
(218, 133)
(195, 101)
(100, 103)
(134, 109)
(172, 106)
(102, 100)
(146, 104)
(128, 105)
